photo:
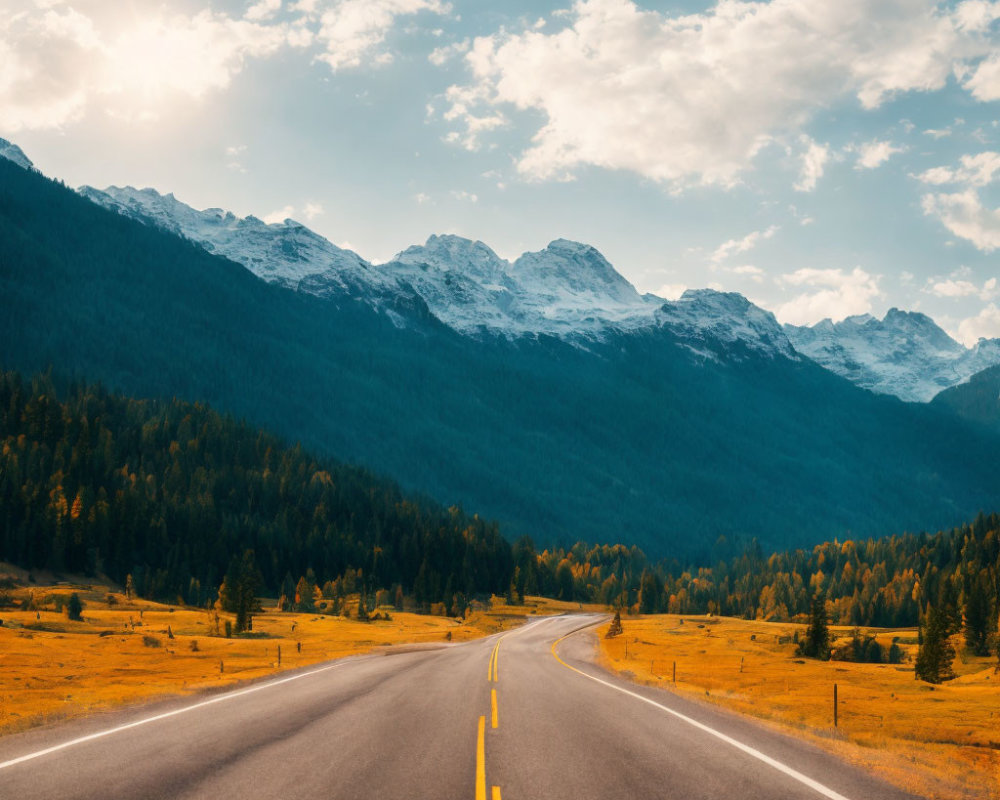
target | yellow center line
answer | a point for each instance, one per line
(496, 661)
(491, 671)
(493, 704)
(481, 761)
(496, 793)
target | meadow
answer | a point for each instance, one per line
(125, 651)
(937, 741)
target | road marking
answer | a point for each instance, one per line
(137, 723)
(493, 704)
(491, 671)
(496, 793)
(481, 761)
(784, 768)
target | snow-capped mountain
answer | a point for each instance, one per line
(703, 317)
(905, 353)
(286, 253)
(12, 152)
(567, 289)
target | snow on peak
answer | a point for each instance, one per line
(12, 152)
(702, 317)
(287, 253)
(905, 354)
(567, 289)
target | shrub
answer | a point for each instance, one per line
(150, 641)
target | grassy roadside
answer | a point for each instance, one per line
(124, 652)
(936, 741)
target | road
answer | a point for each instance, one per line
(519, 715)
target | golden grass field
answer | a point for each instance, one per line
(937, 741)
(52, 668)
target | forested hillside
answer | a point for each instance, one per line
(633, 438)
(169, 492)
(978, 399)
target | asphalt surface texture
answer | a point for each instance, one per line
(520, 715)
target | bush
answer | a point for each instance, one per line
(150, 641)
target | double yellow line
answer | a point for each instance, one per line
(491, 673)
(492, 676)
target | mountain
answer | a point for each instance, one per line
(698, 425)
(904, 354)
(978, 399)
(568, 289)
(14, 154)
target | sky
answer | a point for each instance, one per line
(822, 157)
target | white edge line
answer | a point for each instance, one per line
(787, 770)
(175, 712)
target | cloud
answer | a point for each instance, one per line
(734, 246)
(279, 216)
(756, 274)
(59, 62)
(353, 32)
(978, 170)
(963, 214)
(985, 325)
(688, 99)
(312, 210)
(671, 291)
(813, 163)
(441, 55)
(465, 197)
(957, 287)
(875, 153)
(938, 133)
(833, 293)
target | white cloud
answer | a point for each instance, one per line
(813, 163)
(312, 210)
(263, 9)
(734, 246)
(422, 198)
(832, 293)
(963, 214)
(985, 325)
(441, 55)
(671, 291)
(956, 286)
(58, 62)
(692, 99)
(465, 197)
(980, 169)
(279, 216)
(875, 153)
(756, 274)
(938, 133)
(353, 32)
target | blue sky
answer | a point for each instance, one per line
(823, 157)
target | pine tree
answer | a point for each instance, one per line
(816, 643)
(935, 656)
(74, 608)
(980, 616)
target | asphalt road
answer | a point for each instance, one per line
(501, 717)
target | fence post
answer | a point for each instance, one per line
(834, 705)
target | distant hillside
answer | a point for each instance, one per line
(169, 492)
(668, 437)
(978, 399)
